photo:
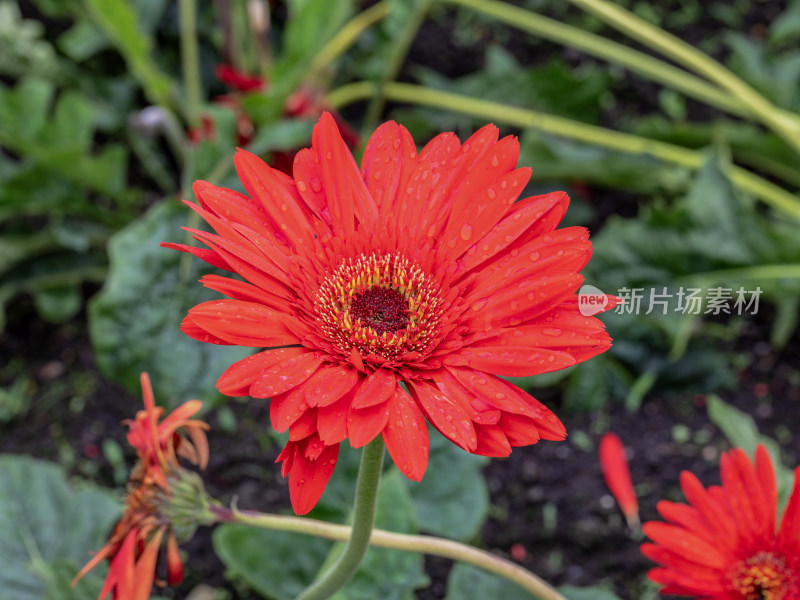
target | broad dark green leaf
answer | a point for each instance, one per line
(452, 499)
(276, 564)
(47, 530)
(134, 321)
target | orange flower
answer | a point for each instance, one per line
(724, 544)
(393, 294)
(614, 466)
(161, 501)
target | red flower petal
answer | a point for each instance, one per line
(238, 378)
(406, 435)
(387, 163)
(614, 465)
(447, 415)
(527, 220)
(329, 384)
(285, 375)
(286, 408)
(308, 477)
(244, 323)
(276, 194)
(511, 361)
(364, 424)
(378, 387)
(332, 420)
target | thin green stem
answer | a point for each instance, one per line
(369, 476)
(398, 541)
(685, 54)
(190, 60)
(347, 35)
(395, 62)
(607, 138)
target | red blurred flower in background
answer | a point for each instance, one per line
(724, 544)
(614, 466)
(160, 501)
(418, 269)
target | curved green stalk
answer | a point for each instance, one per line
(654, 37)
(347, 35)
(398, 541)
(598, 46)
(772, 194)
(369, 476)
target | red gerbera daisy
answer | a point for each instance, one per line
(419, 269)
(152, 514)
(724, 544)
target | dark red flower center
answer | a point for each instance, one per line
(379, 304)
(383, 309)
(764, 576)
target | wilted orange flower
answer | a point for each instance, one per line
(724, 544)
(614, 466)
(420, 269)
(152, 512)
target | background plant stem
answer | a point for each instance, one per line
(681, 52)
(346, 36)
(398, 541)
(598, 46)
(770, 193)
(369, 476)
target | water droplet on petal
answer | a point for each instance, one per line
(466, 232)
(495, 162)
(301, 185)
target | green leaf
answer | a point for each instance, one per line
(276, 564)
(60, 143)
(120, 22)
(134, 320)
(453, 480)
(58, 304)
(594, 592)
(24, 49)
(48, 529)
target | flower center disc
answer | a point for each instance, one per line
(379, 304)
(764, 576)
(383, 309)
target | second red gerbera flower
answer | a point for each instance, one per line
(420, 269)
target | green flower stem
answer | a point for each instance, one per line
(598, 46)
(347, 35)
(770, 193)
(190, 60)
(369, 476)
(397, 541)
(654, 37)
(395, 63)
